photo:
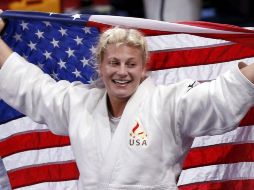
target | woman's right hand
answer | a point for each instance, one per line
(2, 23)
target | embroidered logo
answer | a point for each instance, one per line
(138, 136)
(191, 86)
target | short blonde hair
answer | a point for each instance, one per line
(118, 36)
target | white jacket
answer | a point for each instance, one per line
(155, 132)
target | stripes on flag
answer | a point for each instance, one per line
(63, 46)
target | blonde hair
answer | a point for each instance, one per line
(119, 36)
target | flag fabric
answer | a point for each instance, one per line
(63, 45)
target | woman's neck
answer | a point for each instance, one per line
(116, 106)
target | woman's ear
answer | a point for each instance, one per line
(99, 70)
(144, 74)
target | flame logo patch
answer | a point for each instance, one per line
(138, 137)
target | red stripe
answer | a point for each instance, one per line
(31, 141)
(248, 119)
(219, 154)
(191, 57)
(242, 184)
(217, 26)
(245, 38)
(43, 173)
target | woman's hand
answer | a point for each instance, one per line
(5, 51)
(2, 24)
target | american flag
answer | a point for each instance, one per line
(63, 45)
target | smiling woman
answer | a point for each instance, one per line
(122, 55)
(122, 70)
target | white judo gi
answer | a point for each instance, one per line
(155, 132)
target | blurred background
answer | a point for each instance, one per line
(236, 12)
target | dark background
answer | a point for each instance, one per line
(236, 12)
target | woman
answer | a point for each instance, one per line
(131, 134)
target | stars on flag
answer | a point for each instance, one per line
(54, 42)
(47, 55)
(85, 61)
(87, 30)
(39, 34)
(77, 73)
(61, 63)
(17, 37)
(76, 16)
(24, 25)
(40, 65)
(70, 52)
(32, 45)
(47, 23)
(63, 31)
(54, 75)
(78, 40)
(93, 50)
(63, 50)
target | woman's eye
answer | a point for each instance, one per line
(114, 63)
(131, 64)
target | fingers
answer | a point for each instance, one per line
(2, 24)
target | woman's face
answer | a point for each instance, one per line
(122, 70)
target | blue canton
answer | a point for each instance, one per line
(60, 44)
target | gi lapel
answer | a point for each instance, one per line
(102, 128)
(127, 120)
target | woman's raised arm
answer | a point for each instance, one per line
(5, 50)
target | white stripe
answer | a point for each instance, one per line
(70, 185)
(222, 172)
(154, 24)
(240, 135)
(181, 41)
(20, 125)
(4, 180)
(37, 157)
(199, 73)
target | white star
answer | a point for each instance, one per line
(93, 50)
(90, 80)
(24, 25)
(47, 55)
(77, 73)
(85, 61)
(76, 16)
(70, 52)
(32, 45)
(40, 65)
(55, 42)
(54, 75)
(62, 64)
(25, 56)
(39, 34)
(63, 31)
(78, 40)
(17, 37)
(87, 30)
(47, 23)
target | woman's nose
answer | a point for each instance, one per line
(122, 70)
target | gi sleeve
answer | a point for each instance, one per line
(216, 107)
(27, 89)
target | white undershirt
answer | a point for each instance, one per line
(113, 122)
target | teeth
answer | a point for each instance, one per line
(121, 81)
